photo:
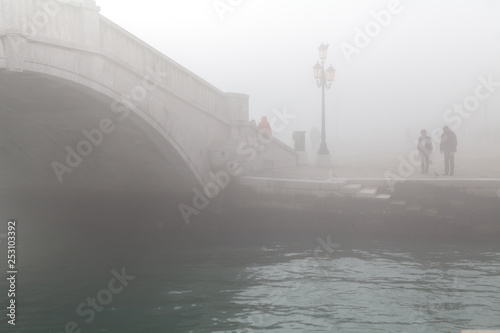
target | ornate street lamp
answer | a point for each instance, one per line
(324, 79)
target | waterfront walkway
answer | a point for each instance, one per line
(470, 164)
(476, 171)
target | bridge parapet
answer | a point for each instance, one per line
(77, 24)
(253, 150)
(180, 81)
(48, 19)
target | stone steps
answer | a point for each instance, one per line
(334, 186)
(351, 189)
(369, 192)
(360, 192)
(383, 197)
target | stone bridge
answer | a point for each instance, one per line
(84, 104)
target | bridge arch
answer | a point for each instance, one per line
(172, 106)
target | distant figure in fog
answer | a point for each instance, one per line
(265, 126)
(448, 147)
(425, 148)
(314, 136)
(253, 122)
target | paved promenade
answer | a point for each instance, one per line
(469, 164)
(374, 176)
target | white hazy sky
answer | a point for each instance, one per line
(426, 59)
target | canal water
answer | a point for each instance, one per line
(105, 277)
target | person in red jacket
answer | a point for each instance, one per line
(265, 126)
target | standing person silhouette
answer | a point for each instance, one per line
(425, 148)
(448, 147)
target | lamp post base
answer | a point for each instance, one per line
(323, 160)
(323, 150)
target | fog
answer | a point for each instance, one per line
(401, 73)
(330, 249)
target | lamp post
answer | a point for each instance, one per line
(324, 79)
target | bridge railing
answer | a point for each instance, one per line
(78, 24)
(48, 19)
(180, 81)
